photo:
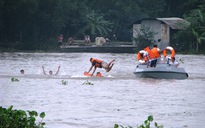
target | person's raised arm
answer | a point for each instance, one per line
(43, 70)
(58, 70)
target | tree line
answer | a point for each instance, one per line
(35, 24)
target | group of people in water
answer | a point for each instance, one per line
(44, 72)
(150, 56)
(95, 63)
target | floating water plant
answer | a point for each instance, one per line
(14, 79)
(64, 82)
(181, 61)
(145, 125)
(87, 83)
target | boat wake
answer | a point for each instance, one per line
(63, 77)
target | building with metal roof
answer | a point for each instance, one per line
(160, 26)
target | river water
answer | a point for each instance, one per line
(118, 97)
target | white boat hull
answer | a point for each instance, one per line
(161, 71)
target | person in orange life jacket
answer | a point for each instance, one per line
(174, 62)
(142, 57)
(154, 54)
(96, 63)
(147, 49)
(99, 74)
(87, 74)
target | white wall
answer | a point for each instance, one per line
(161, 30)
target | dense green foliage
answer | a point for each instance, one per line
(35, 24)
(193, 38)
(10, 118)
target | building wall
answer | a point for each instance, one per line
(136, 28)
(165, 36)
(161, 30)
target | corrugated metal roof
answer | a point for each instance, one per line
(173, 22)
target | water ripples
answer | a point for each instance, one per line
(117, 98)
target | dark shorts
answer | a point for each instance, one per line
(153, 63)
(104, 65)
(59, 43)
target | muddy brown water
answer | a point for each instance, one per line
(118, 97)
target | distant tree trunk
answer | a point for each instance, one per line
(197, 46)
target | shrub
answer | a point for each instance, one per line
(10, 118)
(145, 125)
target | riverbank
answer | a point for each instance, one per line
(79, 46)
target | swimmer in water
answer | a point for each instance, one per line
(22, 71)
(51, 72)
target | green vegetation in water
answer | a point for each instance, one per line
(14, 79)
(181, 61)
(145, 125)
(10, 118)
(87, 83)
(64, 82)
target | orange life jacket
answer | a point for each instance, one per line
(147, 49)
(97, 62)
(154, 53)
